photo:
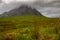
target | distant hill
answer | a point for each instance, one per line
(22, 10)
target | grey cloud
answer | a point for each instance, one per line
(6, 7)
(0, 1)
(49, 9)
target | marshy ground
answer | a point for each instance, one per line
(29, 27)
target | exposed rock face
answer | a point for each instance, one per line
(22, 10)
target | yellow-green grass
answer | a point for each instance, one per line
(23, 27)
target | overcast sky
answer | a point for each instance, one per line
(49, 8)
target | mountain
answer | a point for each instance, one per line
(22, 10)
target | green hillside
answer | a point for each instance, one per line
(29, 27)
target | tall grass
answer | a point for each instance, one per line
(29, 27)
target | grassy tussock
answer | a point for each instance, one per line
(29, 27)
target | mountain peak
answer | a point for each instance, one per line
(22, 10)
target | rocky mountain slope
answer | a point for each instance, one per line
(22, 10)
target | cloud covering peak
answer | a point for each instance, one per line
(50, 8)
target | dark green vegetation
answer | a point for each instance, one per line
(29, 27)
